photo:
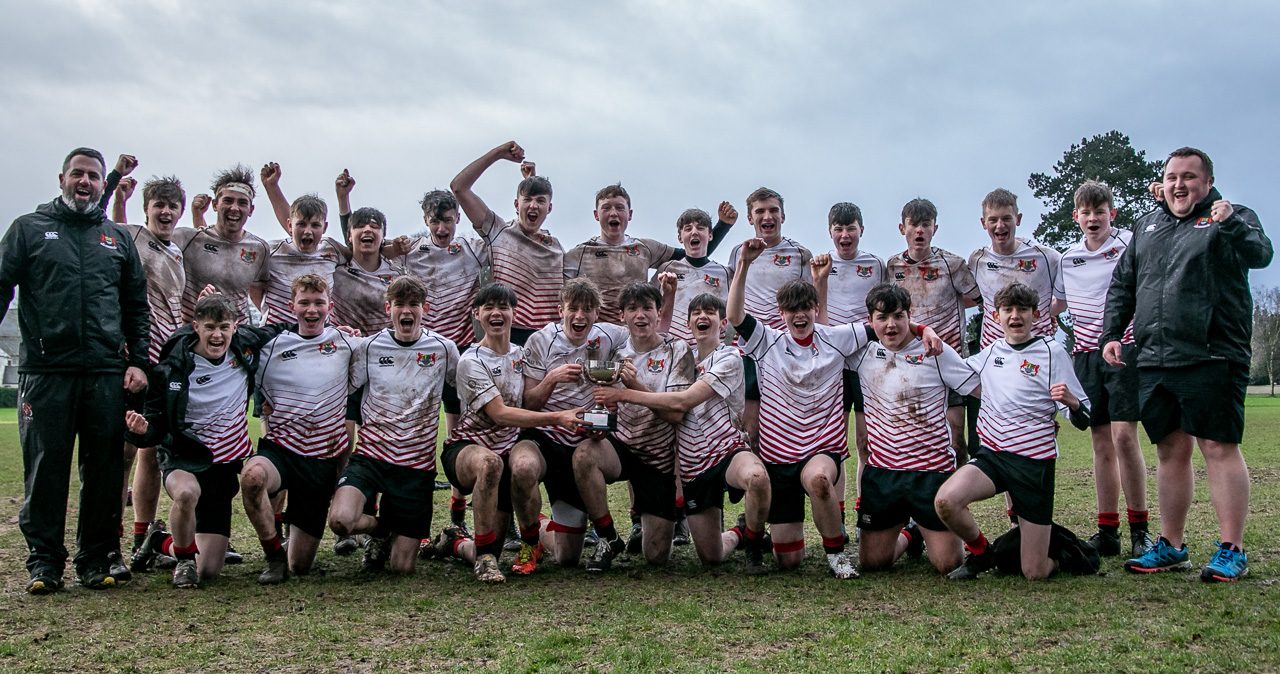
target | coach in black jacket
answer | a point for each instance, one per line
(1184, 281)
(84, 322)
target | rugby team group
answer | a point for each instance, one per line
(620, 359)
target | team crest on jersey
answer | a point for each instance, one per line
(1111, 254)
(656, 366)
(1029, 368)
(863, 272)
(1027, 266)
(26, 411)
(107, 241)
(455, 248)
(782, 260)
(711, 280)
(702, 370)
(327, 257)
(633, 251)
(929, 273)
(517, 366)
(386, 280)
(426, 359)
(329, 348)
(914, 360)
(594, 344)
(249, 256)
(545, 239)
(1202, 223)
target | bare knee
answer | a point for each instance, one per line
(819, 487)
(185, 497)
(757, 480)
(339, 525)
(490, 469)
(253, 480)
(789, 560)
(946, 504)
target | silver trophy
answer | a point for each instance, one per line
(600, 373)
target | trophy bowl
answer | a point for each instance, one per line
(602, 373)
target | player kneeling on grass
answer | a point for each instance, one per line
(642, 450)
(1025, 380)
(711, 441)
(303, 380)
(403, 370)
(197, 401)
(803, 427)
(484, 456)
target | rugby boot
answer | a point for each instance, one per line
(487, 570)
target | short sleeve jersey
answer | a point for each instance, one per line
(548, 349)
(938, 285)
(711, 278)
(452, 274)
(532, 266)
(166, 281)
(484, 376)
(668, 367)
(1031, 265)
(613, 266)
(1085, 275)
(304, 380)
(359, 296)
(714, 428)
(230, 267)
(906, 404)
(786, 261)
(802, 390)
(402, 392)
(288, 263)
(848, 285)
(1017, 412)
(217, 405)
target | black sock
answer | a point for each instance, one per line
(605, 529)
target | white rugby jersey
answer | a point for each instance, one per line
(288, 263)
(668, 367)
(209, 259)
(802, 390)
(711, 278)
(848, 285)
(1031, 265)
(166, 281)
(360, 297)
(938, 285)
(484, 375)
(1017, 414)
(452, 275)
(612, 267)
(786, 261)
(906, 404)
(714, 428)
(402, 392)
(304, 380)
(549, 348)
(532, 266)
(1086, 276)
(217, 403)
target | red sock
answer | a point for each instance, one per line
(752, 535)
(456, 544)
(842, 507)
(604, 527)
(121, 528)
(680, 501)
(456, 503)
(270, 545)
(530, 534)
(978, 545)
(166, 546)
(1109, 520)
(1136, 516)
(833, 545)
(910, 535)
(140, 528)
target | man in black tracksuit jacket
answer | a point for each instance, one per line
(84, 321)
(1184, 281)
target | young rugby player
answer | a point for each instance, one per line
(402, 371)
(484, 455)
(306, 250)
(784, 259)
(710, 443)
(196, 416)
(696, 274)
(1025, 381)
(1085, 274)
(555, 382)
(450, 266)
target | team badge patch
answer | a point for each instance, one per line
(26, 412)
(813, 350)
(593, 345)
(701, 370)
(633, 251)
(455, 248)
(782, 260)
(929, 273)
(1027, 266)
(545, 238)
(329, 348)
(863, 272)
(107, 241)
(914, 360)
(1029, 369)
(248, 256)
(711, 280)
(1203, 222)
(517, 366)
(426, 359)
(656, 366)
(1111, 254)
(386, 280)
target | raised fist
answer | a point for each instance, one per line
(125, 189)
(200, 203)
(126, 164)
(270, 174)
(727, 213)
(344, 183)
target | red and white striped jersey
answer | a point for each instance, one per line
(484, 375)
(532, 266)
(230, 267)
(612, 267)
(166, 280)
(304, 380)
(1017, 412)
(906, 404)
(1031, 265)
(711, 278)
(360, 297)
(402, 393)
(848, 285)
(802, 389)
(452, 275)
(1086, 276)
(548, 349)
(217, 406)
(668, 367)
(714, 428)
(938, 285)
(786, 261)
(288, 263)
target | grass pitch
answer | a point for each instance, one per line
(679, 618)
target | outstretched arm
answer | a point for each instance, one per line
(279, 204)
(123, 191)
(677, 402)
(820, 269)
(736, 309)
(515, 417)
(462, 183)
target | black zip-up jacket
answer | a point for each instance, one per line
(168, 389)
(1185, 284)
(82, 301)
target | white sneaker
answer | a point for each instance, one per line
(842, 566)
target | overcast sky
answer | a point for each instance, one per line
(685, 103)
